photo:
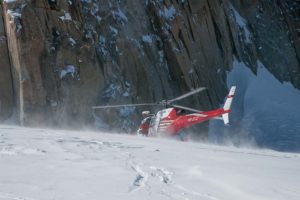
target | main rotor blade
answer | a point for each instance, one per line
(124, 105)
(187, 94)
(190, 109)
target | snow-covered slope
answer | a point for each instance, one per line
(38, 164)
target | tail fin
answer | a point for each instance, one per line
(227, 105)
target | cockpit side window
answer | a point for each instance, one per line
(183, 112)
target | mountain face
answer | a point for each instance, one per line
(60, 58)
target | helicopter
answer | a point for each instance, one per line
(174, 118)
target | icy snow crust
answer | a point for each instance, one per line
(41, 164)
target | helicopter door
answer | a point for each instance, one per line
(144, 126)
(154, 124)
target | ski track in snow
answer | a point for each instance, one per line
(140, 179)
(87, 165)
(142, 175)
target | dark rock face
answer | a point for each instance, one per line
(57, 74)
(6, 90)
(71, 55)
(275, 32)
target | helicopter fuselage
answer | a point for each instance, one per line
(171, 121)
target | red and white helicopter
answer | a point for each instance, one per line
(173, 119)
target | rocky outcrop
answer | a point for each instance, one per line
(56, 76)
(6, 90)
(67, 56)
(274, 33)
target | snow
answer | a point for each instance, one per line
(242, 24)
(69, 69)
(9, 1)
(147, 38)
(102, 40)
(14, 14)
(120, 16)
(72, 41)
(113, 30)
(150, 38)
(16, 17)
(66, 17)
(112, 91)
(168, 13)
(39, 164)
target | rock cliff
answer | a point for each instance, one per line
(6, 88)
(67, 56)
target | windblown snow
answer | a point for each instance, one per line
(264, 110)
(37, 164)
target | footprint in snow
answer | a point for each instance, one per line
(164, 175)
(140, 179)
